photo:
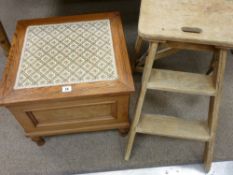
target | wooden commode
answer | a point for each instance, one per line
(183, 24)
(68, 75)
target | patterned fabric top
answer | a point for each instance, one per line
(67, 53)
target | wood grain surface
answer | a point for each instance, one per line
(124, 84)
(164, 20)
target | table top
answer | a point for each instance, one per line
(166, 20)
(86, 52)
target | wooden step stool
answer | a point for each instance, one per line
(68, 75)
(195, 25)
(4, 42)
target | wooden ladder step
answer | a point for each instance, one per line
(173, 127)
(182, 82)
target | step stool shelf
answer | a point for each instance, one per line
(181, 82)
(173, 127)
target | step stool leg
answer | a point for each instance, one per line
(212, 64)
(209, 146)
(138, 46)
(214, 108)
(145, 78)
(4, 42)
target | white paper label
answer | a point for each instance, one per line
(66, 89)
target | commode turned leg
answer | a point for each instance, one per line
(39, 140)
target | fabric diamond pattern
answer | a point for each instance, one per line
(67, 53)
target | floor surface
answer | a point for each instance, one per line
(218, 168)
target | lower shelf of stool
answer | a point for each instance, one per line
(181, 82)
(173, 127)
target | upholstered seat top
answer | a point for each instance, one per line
(66, 53)
(164, 20)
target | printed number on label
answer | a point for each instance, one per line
(66, 89)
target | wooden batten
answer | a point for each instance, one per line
(190, 46)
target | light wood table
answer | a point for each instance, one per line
(179, 24)
(68, 75)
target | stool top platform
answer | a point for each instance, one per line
(164, 20)
(86, 52)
